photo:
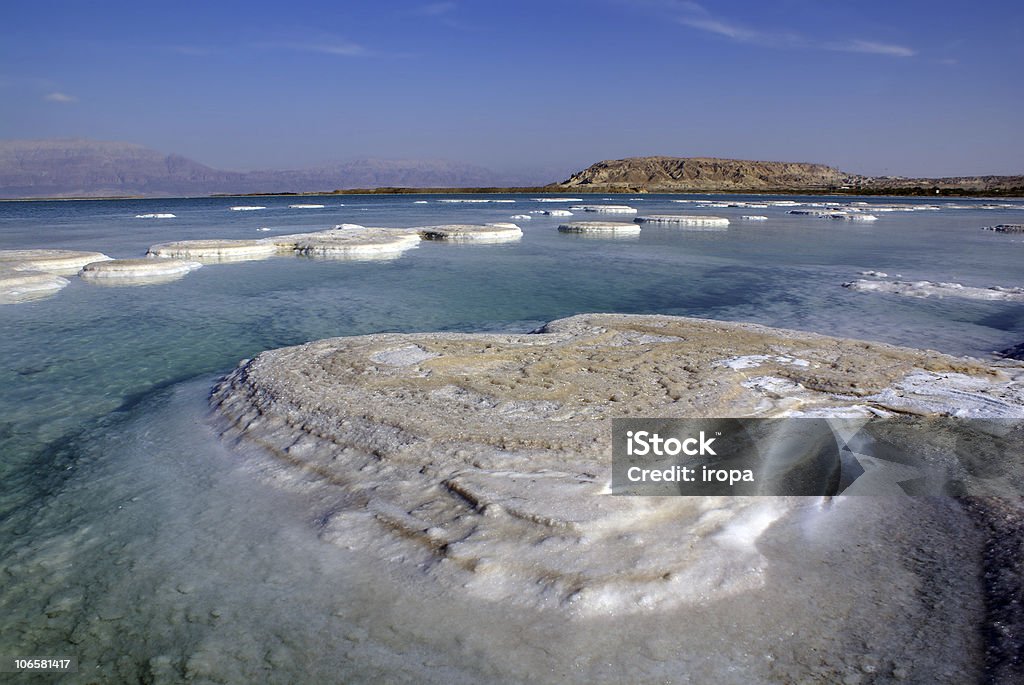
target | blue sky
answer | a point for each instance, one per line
(910, 88)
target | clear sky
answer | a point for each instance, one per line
(897, 87)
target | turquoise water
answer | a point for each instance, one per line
(90, 370)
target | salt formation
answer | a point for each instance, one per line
(483, 460)
(929, 289)
(305, 206)
(682, 220)
(604, 209)
(144, 271)
(246, 208)
(524, 217)
(474, 201)
(156, 216)
(212, 251)
(754, 217)
(59, 262)
(23, 286)
(486, 233)
(850, 216)
(349, 241)
(558, 199)
(1005, 228)
(600, 227)
(556, 212)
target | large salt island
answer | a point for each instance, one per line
(479, 464)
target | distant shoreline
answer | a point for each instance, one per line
(549, 190)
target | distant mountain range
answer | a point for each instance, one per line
(87, 168)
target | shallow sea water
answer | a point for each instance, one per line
(130, 537)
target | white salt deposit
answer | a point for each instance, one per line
(600, 227)
(305, 206)
(129, 272)
(754, 217)
(59, 262)
(604, 209)
(487, 233)
(474, 201)
(156, 216)
(24, 286)
(350, 242)
(213, 251)
(683, 220)
(246, 208)
(930, 289)
(556, 212)
(558, 199)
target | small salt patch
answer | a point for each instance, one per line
(403, 356)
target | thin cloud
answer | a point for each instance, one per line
(720, 28)
(62, 98)
(696, 16)
(872, 48)
(342, 48)
(436, 8)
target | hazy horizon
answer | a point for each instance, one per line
(919, 89)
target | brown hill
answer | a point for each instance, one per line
(696, 174)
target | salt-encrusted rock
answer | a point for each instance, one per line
(144, 271)
(1005, 228)
(156, 215)
(558, 199)
(487, 233)
(754, 217)
(483, 460)
(213, 251)
(305, 206)
(929, 289)
(850, 216)
(60, 262)
(810, 212)
(350, 241)
(600, 227)
(555, 212)
(246, 208)
(23, 286)
(524, 217)
(683, 220)
(604, 209)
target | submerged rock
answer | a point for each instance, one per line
(487, 233)
(144, 271)
(483, 460)
(1005, 228)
